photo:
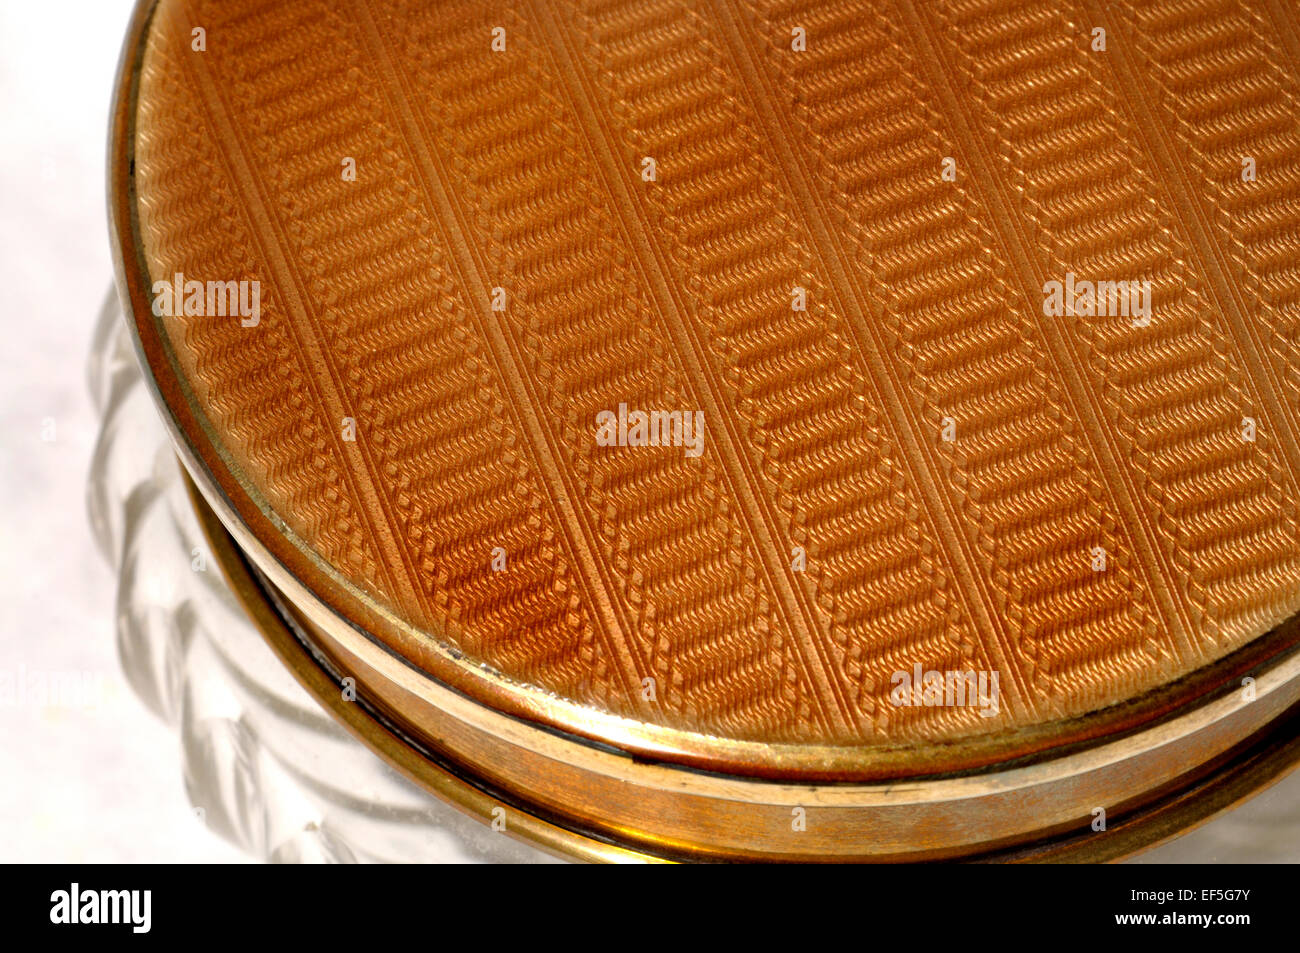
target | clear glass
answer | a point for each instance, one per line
(264, 765)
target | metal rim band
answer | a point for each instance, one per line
(1254, 765)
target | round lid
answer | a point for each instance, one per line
(842, 390)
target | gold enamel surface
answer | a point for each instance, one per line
(776, 169)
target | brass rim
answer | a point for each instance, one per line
(363, 721)
(1252, 767)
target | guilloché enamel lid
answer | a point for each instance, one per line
(826, 393)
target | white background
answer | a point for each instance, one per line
(76, 784)
(103, 783)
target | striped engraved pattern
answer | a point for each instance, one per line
(1221, 511)
(1234, 55)
(838, 257)
(971, 346)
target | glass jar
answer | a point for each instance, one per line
(265, 767)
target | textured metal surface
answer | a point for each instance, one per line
(819, 169)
